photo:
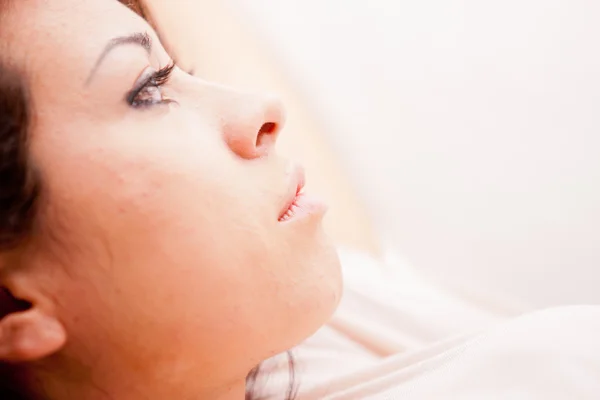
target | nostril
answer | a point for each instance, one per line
(266, 130)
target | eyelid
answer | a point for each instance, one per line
(146, 76)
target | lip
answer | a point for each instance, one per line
(298, 204)
(297, 182)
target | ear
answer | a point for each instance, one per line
(29, 335)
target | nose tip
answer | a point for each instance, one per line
(252, 124)
(275, 111)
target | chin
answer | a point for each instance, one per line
(329, 271)
(329, 290)
(337, 287)
(312, 295)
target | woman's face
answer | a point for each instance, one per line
(160, 239)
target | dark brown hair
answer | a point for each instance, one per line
(19, 191)
(19, 188)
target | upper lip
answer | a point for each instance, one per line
(296, 183)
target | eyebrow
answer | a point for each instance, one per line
(141, 39)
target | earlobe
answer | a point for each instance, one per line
(30, 335)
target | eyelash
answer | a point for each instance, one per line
(155, 80)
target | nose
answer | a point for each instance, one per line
(252, 129)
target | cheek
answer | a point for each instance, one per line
(175, 239)
(163, 204)
(168, 254)
(168, 208)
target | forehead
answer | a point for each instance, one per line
(70, 34)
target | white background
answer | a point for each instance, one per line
(470, 127)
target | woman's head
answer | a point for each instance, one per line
(141, 213)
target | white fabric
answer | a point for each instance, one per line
(394, 338)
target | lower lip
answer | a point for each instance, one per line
(304, 206)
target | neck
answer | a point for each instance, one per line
(135, 386)
(144, 392)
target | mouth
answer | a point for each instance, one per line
(293, 203)
(298, 204)
(292, 208)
